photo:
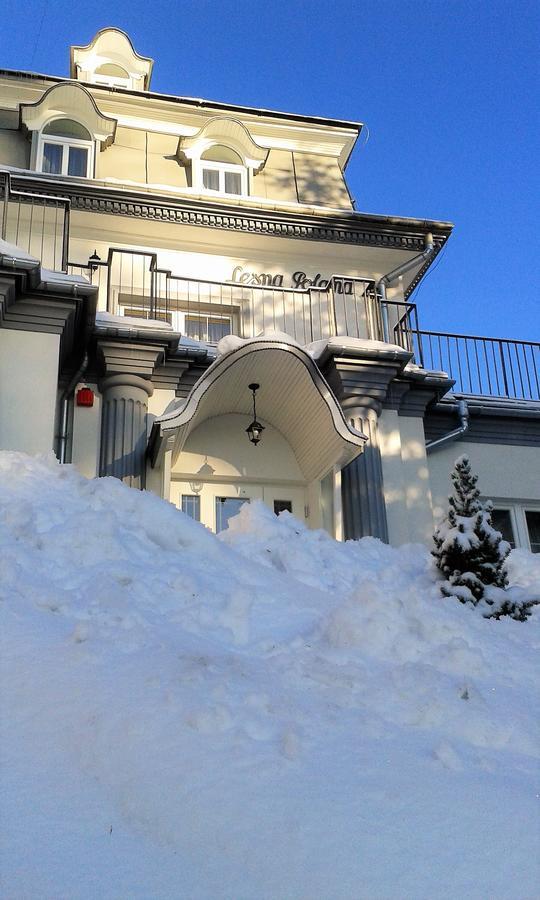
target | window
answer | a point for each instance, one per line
(532, 518)
(282, 506)
(65, 148)
(501, 520)
(226, 508)
(207, 328)
(112, 75)
(222, 171)
(191, 506)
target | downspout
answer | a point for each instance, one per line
(64, 410)
(463, 415)
(386, 280)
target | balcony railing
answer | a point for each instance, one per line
(480, 366)
(131, 283)
(36, 223)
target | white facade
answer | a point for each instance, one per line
(124, 267)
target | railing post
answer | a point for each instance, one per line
(503, 366)
(332, 309)
(6, 206)
(65, 236)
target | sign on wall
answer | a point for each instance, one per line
(298, 280)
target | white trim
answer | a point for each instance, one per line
(66, 143)
(517, 509)
(222, 168)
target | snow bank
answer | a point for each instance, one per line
(269, 714)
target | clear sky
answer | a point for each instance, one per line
(449, 92)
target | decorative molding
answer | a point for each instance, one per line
(362, 384)
(228, 131)
(128, 357)
(394, 235)
(110, 45)
(70, 101)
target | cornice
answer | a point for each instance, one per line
(376, 231)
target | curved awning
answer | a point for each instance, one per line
(293, 397)
(224, 130)
(69, 100)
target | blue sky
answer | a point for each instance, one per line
(447, 90)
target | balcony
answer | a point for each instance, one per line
(131, 283)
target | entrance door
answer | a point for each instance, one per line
(214, 503)
(286, 497)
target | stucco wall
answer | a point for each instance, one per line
(221, 444)
(276, 180)
(86, 434)
(406, 480)
(14, 149)
(511, 472)
(28, 388)
(320, 181)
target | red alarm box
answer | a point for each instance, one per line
(85, 397)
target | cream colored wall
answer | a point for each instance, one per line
(159, 403)
(407, 488)
(126, 158)
(86, 434)
(320, 181)
(276, 180)
(14, 149)
(28, 390)
(219, 448)
(503, 471)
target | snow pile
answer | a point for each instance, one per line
(269, 714)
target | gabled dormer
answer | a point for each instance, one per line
(111, 60)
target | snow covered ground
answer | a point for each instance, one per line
(263, 716)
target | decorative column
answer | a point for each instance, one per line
(362, 491)
(123, 428)
(360, 376)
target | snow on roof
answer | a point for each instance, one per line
(14, 252)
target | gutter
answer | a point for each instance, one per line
(463, 414)
(61, 450)
(394, 274)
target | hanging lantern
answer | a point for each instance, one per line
(255, 429)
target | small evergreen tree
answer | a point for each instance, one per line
(468, 550)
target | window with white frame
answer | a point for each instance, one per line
(65, 147)
(222, 171)
(519, 523)
(532, 518)
(501, 519)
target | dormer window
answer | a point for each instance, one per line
(65, 148)
(222, 171)
(112, 76)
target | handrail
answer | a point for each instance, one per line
(481, 365)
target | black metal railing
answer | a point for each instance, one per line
(481, 366)
(36, 223)
(131, 283)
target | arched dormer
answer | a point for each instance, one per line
(67, 129)
(223, 157)
(110, 59)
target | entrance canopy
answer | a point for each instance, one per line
(293, 397)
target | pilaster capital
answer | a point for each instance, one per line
(129, 357)
(124, 384)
